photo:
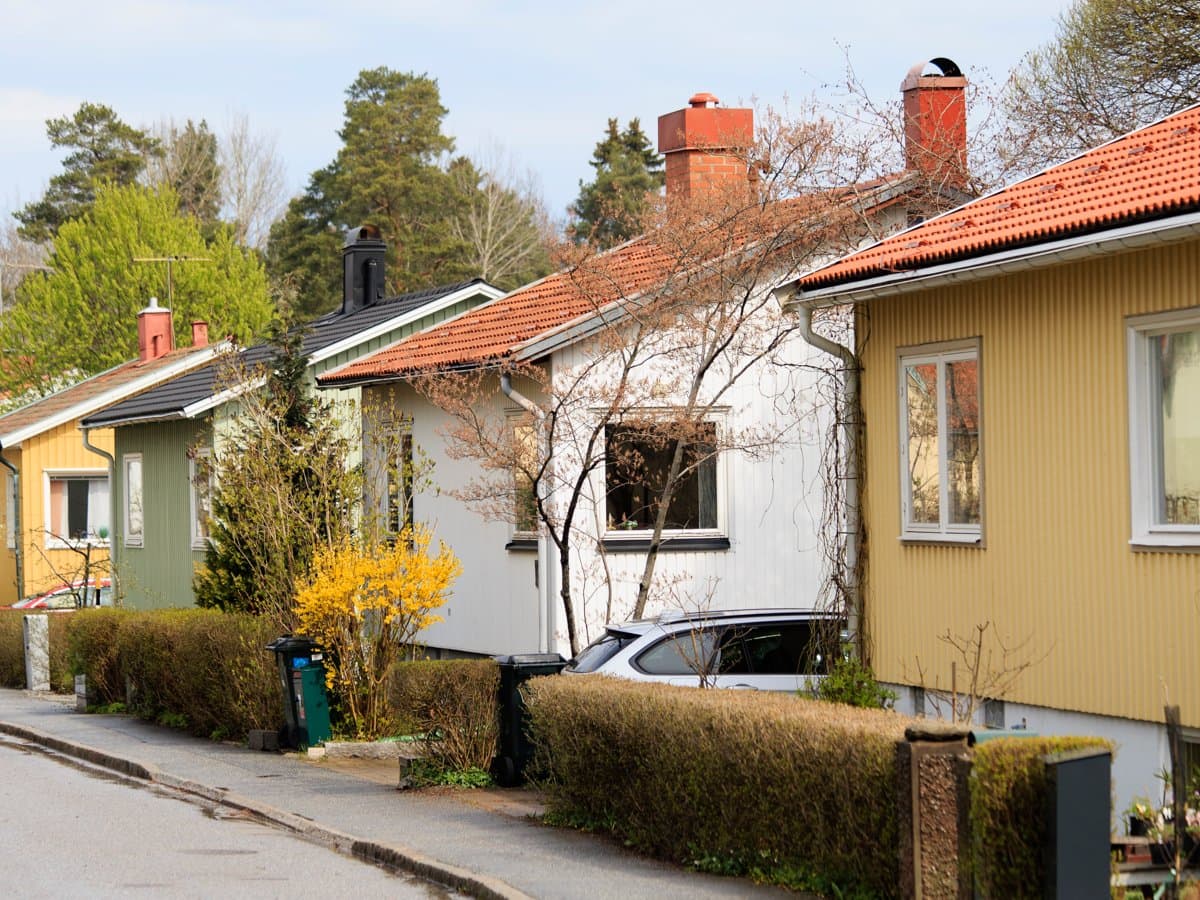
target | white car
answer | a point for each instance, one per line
(757, 649)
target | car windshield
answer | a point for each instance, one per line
(600, 651)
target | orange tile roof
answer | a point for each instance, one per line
(90, 389)
(493, 331)
(1148, 174)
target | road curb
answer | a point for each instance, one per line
(390, 856)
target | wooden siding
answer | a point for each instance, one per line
(59, 449)
(159, 573)
(1119, 628)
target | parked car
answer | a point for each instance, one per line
(64, 596)
(758, 649)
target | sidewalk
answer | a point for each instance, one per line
(484, 845)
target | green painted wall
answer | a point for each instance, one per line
(159, 573)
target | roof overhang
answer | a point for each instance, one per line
(79, 410)
(1138, 236)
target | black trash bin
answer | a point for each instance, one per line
(302, 678)
(516, 750)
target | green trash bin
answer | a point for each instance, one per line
(516, 750)
(301, 666)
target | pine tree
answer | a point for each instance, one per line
(610, 209)
(103, 150)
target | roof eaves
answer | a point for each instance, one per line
(1031, 256)
(414, 315)
(114, 395)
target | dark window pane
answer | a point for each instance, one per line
(600, 651)
(637, 466)
(77, 508)
(686, 653)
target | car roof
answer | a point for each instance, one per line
(677, 617)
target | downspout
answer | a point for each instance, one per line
(18, 551)
(112, 511)
(545, 570)
(851, 478)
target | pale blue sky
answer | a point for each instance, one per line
(540, 78)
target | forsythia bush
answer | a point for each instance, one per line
(363, 605)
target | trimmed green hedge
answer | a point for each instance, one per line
(732, 780)
(453, 703)
(1008, 812)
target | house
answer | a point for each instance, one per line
(160, 435)
(57, 511)
(571, 388)
(1030, 391)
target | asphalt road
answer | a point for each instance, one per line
(67, 831)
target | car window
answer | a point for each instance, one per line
(685, 653)
(770, 649)
(600, 651)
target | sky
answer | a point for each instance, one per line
(537, 79)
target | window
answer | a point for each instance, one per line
(525, 466)
(134, 520)
(76, 507)
(1164, 428)
(200, 490)
(637, 461)
(400, 482)
(941, 469)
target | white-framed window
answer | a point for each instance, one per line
(637, 462)
(1164, 428)
(200, 491)
(132, 504)
(76, 502)
(525, 465)
(941, 452)
(400, 480)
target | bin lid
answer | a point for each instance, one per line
(531, 659)
(290, 643)
(983, 735)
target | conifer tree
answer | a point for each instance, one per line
(610, 209)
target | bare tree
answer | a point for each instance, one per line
(18, 257)
(503, 218)
(187, 163)
(253, 182)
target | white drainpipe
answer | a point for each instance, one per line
(850, 440)
(545, 571)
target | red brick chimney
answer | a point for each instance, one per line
(935, 122)
(701, 143)
(156, 335)
(199, 333)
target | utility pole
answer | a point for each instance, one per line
(170, 261)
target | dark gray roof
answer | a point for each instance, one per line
(169, 400)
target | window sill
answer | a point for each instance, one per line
(941, 537)
(1158, 541)
(135, 545)
(522, 544)
(673, 543)
(56, 544)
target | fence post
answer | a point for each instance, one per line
(932, 768)
(37, 653)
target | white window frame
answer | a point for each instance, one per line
(198, 540)
(1145, 465)
(130, 539)
(519, 419)
(54, 542)
(941, 531)
(614, 536)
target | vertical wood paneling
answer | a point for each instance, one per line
(1114, 625)
(60, 448)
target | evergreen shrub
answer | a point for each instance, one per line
(1008, 811)
(91, 643)
(12, 650)
(754, 781)
(453, 704)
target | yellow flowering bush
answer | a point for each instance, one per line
(364, 605)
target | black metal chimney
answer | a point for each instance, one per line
(362, 262)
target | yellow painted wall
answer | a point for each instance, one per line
(58, 449)
(1116, 626)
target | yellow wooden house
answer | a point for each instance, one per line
(57, 508)
(1029, 374)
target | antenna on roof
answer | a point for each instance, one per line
(170, 261)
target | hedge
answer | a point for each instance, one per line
(748, 780)
(453, 703)
(12, 650)
(1008, 812)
